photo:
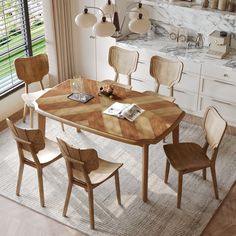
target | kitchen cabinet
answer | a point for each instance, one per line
(202, 84)
(218, 88)
(186, 91)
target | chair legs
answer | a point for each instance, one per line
(204, 173)
(31, 117)
(213, 173)
(91, 207)
(40, 183)
(167, 171)
(117, 181)
(62, 127)
(67, 198)
(179, 194)
(19, 180)
(24, 112)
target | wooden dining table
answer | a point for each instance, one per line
(160, 117)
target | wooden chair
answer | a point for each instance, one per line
(88, 171)
(190, 157)
(31, 70)
(35, 151)
(123, 62)
(166, 72)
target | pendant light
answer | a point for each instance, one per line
(139, 20)
(140, 25)
(134, 12)
(108, 8)
(85, 19)
(104, 28)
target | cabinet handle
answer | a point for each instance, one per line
(221, 82)
(92, 37)
(226, 103)
(179, 91)
(225, 75)
(141, 62)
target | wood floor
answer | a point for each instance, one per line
(223, 222)
(17, 220)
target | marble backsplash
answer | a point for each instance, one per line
(194, 19)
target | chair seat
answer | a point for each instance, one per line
(29, 98)
(49, 154)
(104, 171)
(126, 86)
(186, 156)
(167, 98)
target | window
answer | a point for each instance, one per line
(21, 35)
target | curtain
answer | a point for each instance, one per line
(63, 38)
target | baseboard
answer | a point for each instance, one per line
(14, 117)
(199, 121)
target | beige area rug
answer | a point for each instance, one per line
(159, 216)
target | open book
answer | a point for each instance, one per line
(124, 110)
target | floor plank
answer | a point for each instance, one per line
(19, 220)
(223, 222)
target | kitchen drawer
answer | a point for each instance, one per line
(143, 83)
(189, 82)
(227, 110)
(192, 67)
(219, 89)
(222, 73)
(186, 101)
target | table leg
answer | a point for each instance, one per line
(41, 123)
(145, 172)
(175, 134)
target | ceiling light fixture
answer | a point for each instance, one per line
(139, 20)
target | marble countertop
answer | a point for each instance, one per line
(166, 47)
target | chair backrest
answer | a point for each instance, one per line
(32, 69)
(84, 161)
(166, 71)
(31, 140)
(214, 127)
(123, 61)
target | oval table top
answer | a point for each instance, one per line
(159, 118)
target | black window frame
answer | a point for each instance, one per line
(27, 43)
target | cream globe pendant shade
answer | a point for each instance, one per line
(85, 19)
(108, 9)
(134, 12)
(104, 28)
(140, 25)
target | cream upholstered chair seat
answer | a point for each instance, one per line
(34, 150)
(189, 157)
(87, 170)
(29, 98)
(124, 62)
(166, 72)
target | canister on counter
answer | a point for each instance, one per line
(213, 4)
(222, 4)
